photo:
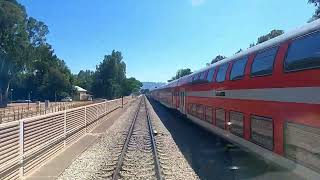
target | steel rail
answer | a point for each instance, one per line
(154, 146)
(123, 152)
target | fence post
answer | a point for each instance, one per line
(85, 119)
(21, 144)
(96, 112)
(65, 128)
(105, 106)
(122, 101)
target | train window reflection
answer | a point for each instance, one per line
(209, 112)
(238, 68)
(263, 62)
(304, 53)
(210, 74)
(202, 75)
(221, 76)
(262, 131)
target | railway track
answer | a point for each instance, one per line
(135, 154)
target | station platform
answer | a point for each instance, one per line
(55, 166)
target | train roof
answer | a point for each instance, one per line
(306, 29)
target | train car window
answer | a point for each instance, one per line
(301, 146)
(199, 76)
(304, 53)
(187, 79)
(194, 109)
(237, 71)
(202, 75)
(210, 74)
(263, 62)
(195, 77)
(190, 79)
(236, 123)
(221, 76)
(200, 111)
(262, 131)
(220, 118)
(209, 112)
(190, 108)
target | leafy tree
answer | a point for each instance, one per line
(19, 86)
(84, 79)
(180, 73)
(251, 45)
(109, 76)
(56, 81)
(240, 50)
(274, 33)
(315, 2)
(22, 39)
(145, 91)
(316, 14)
(48, 77)
(28, 63)
(217, 58)
(131, 85)
(109, 80)
(13, 44)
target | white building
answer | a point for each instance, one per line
(81, 94)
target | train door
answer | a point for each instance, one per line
(177, 99)
(182, 101)
(173, 102)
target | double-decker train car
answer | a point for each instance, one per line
(267, 96)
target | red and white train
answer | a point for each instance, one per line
(266, 96)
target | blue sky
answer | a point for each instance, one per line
(158, 37)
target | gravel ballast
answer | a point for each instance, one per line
(99, 160)
(173, 163)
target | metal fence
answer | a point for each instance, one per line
(27, 143)
(18, 112)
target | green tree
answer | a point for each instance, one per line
(131, 85)
(13, 42)
(180, 73)
(239, 51)
(316, 14)
(274, 33)
(84, 79)
(217, 58)
(19, 86)
(48, 77)
(56, 82)
(28, 63)
(145, 91)
(109, 76)
(20, 38)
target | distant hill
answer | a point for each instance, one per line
(152, 85)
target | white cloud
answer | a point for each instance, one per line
(197, 2)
